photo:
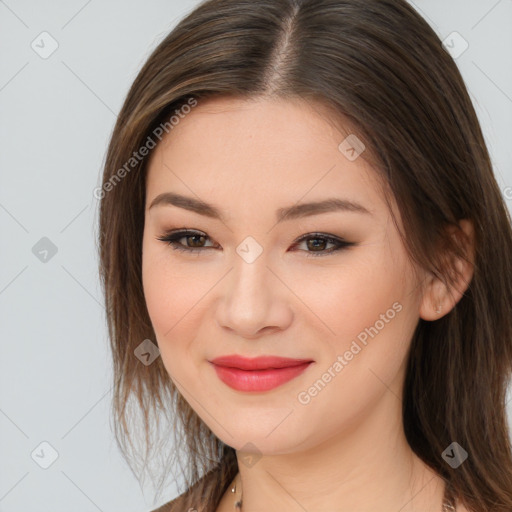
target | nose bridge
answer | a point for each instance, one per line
(252, 296)
(250, 265)
(249, 288)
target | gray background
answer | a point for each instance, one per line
(56, 116)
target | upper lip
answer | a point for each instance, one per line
(257, 363)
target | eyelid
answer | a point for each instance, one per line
(171, 237)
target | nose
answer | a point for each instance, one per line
(254, 300)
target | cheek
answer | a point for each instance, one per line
(365, 358)
(370, 312)
(178, 300)
(169, 288)
(170, 296)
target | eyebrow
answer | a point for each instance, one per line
(291, 212)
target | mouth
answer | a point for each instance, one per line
(258, 374)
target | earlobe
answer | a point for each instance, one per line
(434, 303)
(439, 298)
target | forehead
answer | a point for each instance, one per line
(260, 150)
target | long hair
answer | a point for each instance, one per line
(379, 66)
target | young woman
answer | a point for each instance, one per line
(306, 264)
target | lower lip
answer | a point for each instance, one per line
(258, 380)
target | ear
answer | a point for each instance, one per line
(438, 299)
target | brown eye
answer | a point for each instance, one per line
(316, 244)
(196, 240)
(196, 245)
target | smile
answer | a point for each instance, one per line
(259, 374)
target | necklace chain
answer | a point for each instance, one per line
(448, 500)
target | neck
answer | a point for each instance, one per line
(367, 467)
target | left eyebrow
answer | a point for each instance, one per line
(291, 212)
(313, 208)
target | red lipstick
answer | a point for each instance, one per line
(257, 374)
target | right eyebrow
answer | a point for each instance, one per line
(296, 211)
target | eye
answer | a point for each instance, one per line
(174, 237)
(312, 240)
(318, 249)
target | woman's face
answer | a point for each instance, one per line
(253, 288)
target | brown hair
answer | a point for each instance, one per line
(380, 66)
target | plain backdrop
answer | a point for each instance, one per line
(58, 105)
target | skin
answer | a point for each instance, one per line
(345, 449)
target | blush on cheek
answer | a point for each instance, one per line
(174, 308)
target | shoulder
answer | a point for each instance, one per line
(164, 508)
(178, 503)
(459, 508)
(170, 506)
(184, 502)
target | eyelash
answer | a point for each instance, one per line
(173, 237)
